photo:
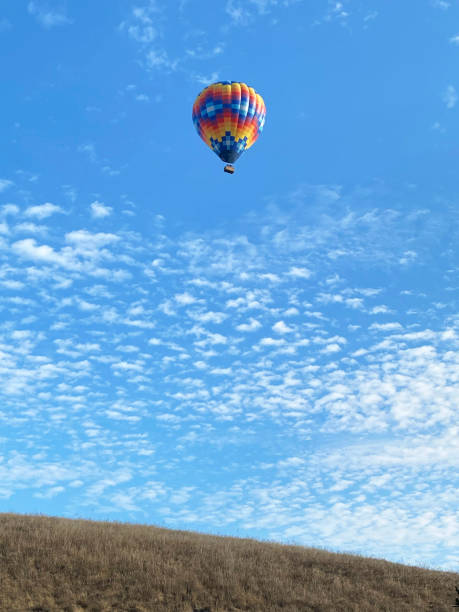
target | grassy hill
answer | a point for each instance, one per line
(49, 564)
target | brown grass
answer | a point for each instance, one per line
(49, 564)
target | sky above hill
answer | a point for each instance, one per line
(273, 354)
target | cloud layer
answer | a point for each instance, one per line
(317, 409)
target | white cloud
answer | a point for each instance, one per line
(354, 302)
(47, 17)
(28, 249)
(200, 53)
(272, 342)
(141, 27)
(387, 327)
(337, 11)
(442, 4)
(281, 328)
(184, 299)
(42, 211)
(87, 242)
(206, 80)
(125, 365)
(159, 58)
(201, 365)
(30, 228)
(109, 170)
(99, 210)
(331, 348)
(145, 33)
(272, 278)
(12, 284)
(145, 26)
(90, 150)
(299, 272)
(450, 96)
(4, 184)
(408, 257)
(70, 192)
(83, 255)
(10, 209)
(208, 317)
(50, 493)
(371, 16)
(242, 13)
(251, 326)
(382, 309)
(212, 339)
(237, 13)
(438, 127)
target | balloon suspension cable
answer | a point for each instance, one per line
(229, 168)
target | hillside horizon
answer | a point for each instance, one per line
(59, 564)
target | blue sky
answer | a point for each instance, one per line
(273, 354)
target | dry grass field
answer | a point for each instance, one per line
(49, 564)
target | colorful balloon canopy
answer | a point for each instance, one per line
(229, 116)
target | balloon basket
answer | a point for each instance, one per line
(229, 168)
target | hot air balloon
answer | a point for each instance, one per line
(229, 116)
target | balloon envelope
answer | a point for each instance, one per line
(229, 116)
